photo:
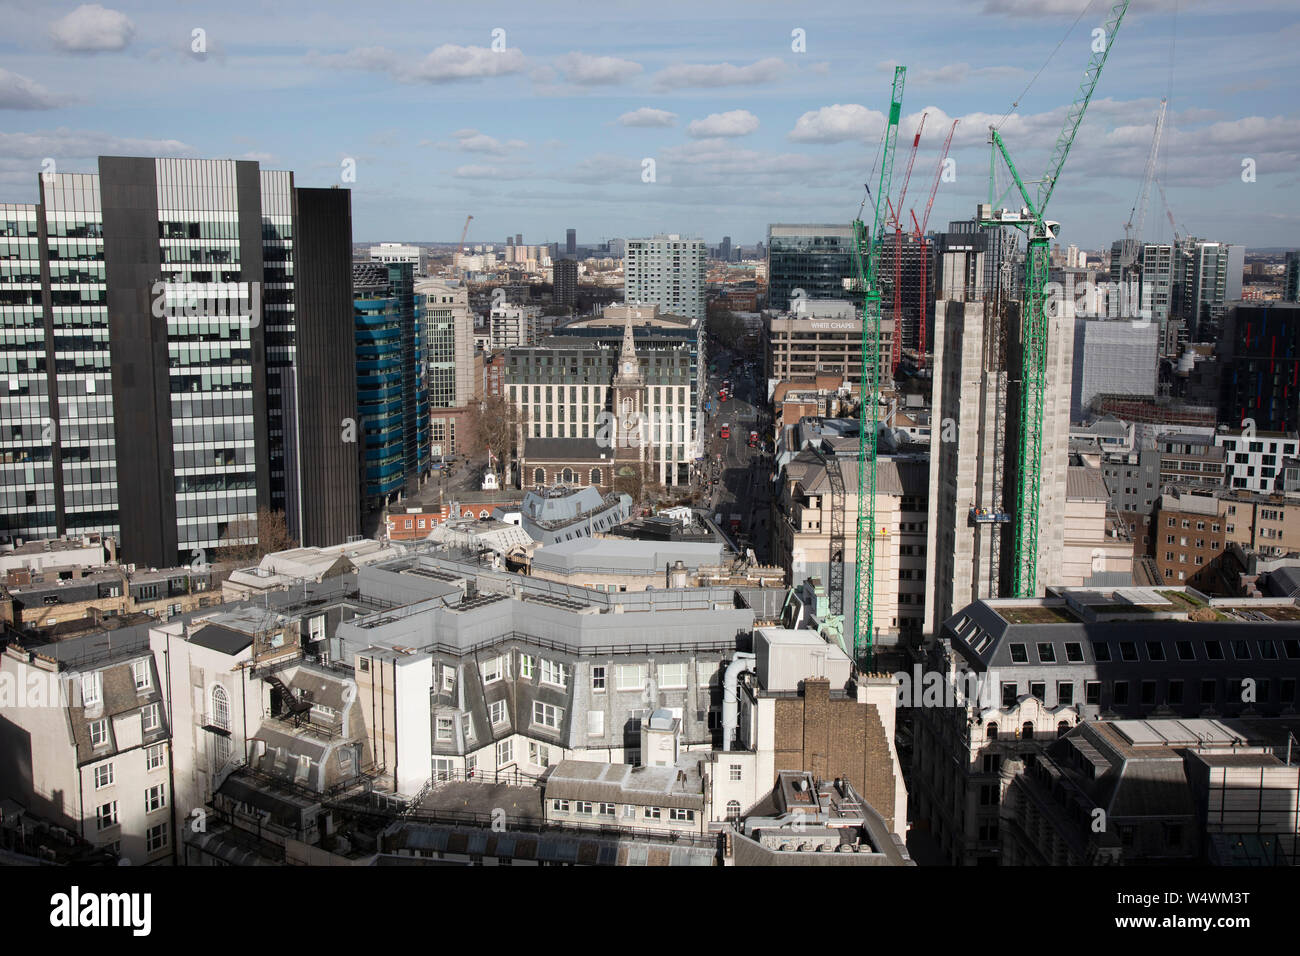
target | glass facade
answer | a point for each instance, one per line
(27, 503)
(815, 258)
(211, 295)
(392, 382)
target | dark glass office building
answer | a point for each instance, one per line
(816, 258)
(392, 382)
(140, 309)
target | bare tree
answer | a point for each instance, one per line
(498, 426)
(270, 531)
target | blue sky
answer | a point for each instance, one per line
(551, 132)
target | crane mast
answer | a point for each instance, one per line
(925, 246)
(1133, 233)
(1033, 379)
(866, 258)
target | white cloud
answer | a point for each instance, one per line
(65, 143)
(720, 74)
(19, 93)
(1060, 8)
(472, 141)
(446, 64)
(839, 123)
(92, 29)
(733, 123)
(586, 70)
(646, 116)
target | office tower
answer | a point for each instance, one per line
(1260, 353)
(571, 242)
(913, 299)
(1112, 358)
(724, 250)
(565, 282)
(155, 301)
(816, 258)
(392, 383)
(667, 271)
(1291, 278)
(519, 239)
(448, 326)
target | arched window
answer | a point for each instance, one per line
(991, 731)
(483, 513)
(1062, 728)
(733, 810)
(539, 476)
(220, 708)
(1027, 731)
(567, 476)
(595, 476)
(220, 717)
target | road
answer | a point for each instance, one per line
(737, 478)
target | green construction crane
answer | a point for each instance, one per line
(1039, 232)
(866, 257)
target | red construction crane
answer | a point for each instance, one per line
(924, 293)
(896, 213)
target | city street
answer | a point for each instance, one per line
(737, 476)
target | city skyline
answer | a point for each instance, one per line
(545, 134)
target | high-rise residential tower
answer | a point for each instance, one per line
(667, 271)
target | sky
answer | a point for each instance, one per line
(541, 116)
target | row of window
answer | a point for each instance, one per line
(1238, 690)
(1211, 650)
(150, 717)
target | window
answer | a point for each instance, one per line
(598, 679)
(98, 733)
(1100, 651)
(505, 752)
(681, 816)
(140, 671)
(448, 679)
(103, 776)
(560, 806)
(547, 715)
(1148, 693)
(527, 666)
(446, 729)
(1185, 651)
(1175, 692)
(151, 715)
(1120, 696)
(1009, 694)
(1018, 654)
(595, 723)
(733, 810)
(1214, 650)
(651, 813)
(539, 755)
(497, 712)
(1074, 652)
(607, 809)
(1038, 689)
(92, 689)
(1128, 650)
(156, 838)
(155, 798)
(584, 807)
(220, 708)
(155, 757)
(1207, 690)
(1047, 653)
(630, 677)
(734, 772)
(1064, 692)
(555, 673)
(672, 676)
(1092, 692)
(106, 815)
(491, 670)
(1155, 650)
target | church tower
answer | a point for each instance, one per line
(629, 409)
